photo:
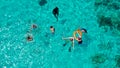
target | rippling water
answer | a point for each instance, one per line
(100, 47)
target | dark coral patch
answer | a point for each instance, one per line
(101, 2)
(115, 6)
(42, 2)
(97, 4)
(107, 3)
(98, 59)
(105, 21)
(118, 27)
(105, 45)
(117, 59)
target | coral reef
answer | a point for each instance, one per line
(108, 3)
(105, 45)
(103, 21)
(101, 2)
(42, 2)
(108, 13)
(118, 27)
(117, 59)
(114, 5)
(98, 58)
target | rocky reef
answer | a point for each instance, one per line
(42, 2)
(117, 60)
(108, 13)
(98, 58)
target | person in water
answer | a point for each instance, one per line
(79, 38)
(72, 40)
(56, 12)
(29, 38)
(52, 29)
(34, 26)
(79, 32)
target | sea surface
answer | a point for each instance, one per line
(100, 47)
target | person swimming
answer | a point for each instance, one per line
(34, 26)
(52, 29)
(79, 32)
(72, 40)
(77, 37)
(29, 38)
(56, 12)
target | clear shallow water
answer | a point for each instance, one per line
(46, 50)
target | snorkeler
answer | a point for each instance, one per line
(34, 26)
(29, 38)
(72, 40)
(79, 38)
(52, 29)
(79, 32)
(56, 12)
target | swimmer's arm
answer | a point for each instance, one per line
(79, 35)
(67, 38)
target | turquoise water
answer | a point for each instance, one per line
(100, 47)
